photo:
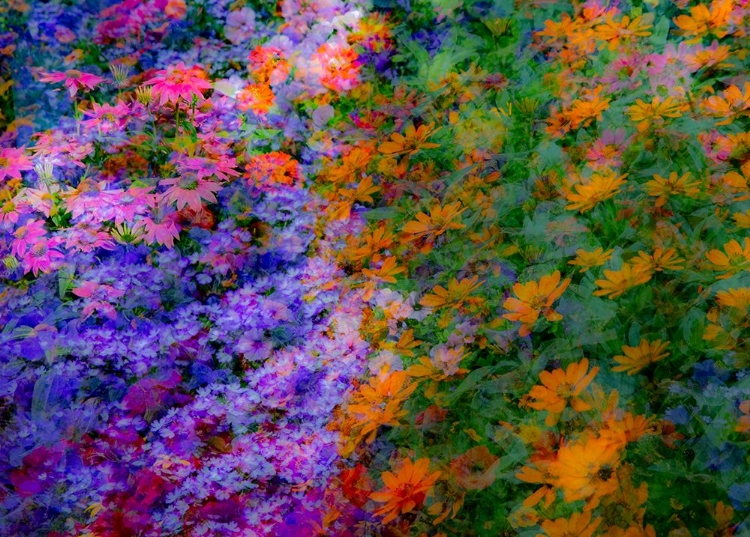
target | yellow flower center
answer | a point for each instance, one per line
(565, 390)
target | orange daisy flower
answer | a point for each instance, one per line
(475, 469)
(587, 260)
(586, 470)
(616, 282)
(440, 220)
(660, 260)
(379, 402)
(405, 491)
(734, 298)
(562, 388)
(256, 97)
(646, 114)
(535, 299)
(579, 524)
(411, 142)
(636, 358)
(456, 294)
(706, 19)
(734, 259)
(612, 32)
(603, 185)
(664, 188)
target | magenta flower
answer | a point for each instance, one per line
(179, 82)
(12, 163)
(41, 256)
(73, 79)
(106, 117)
(189, 191)
(9, 214)
(205, 167)
(27, 235)
(98, 295)
(162, 228)
(39, 199)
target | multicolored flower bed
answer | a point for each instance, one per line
(389, 268)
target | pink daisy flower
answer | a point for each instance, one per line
(161, 227)
(179, 82)
(97, 298)
(73, 79)
(27, 235)
(9, 214)
(41, 256)
(190, 191)
(39, 199)
(205, 167)
(107, 117)
(13, 162)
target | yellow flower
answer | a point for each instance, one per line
(411, 142)
(602, 186)
(456, 294)
(734, 259)
(535, 299)
(742, 219)
(659, 261)
(386, 272)
(636, 358)
(586, 469)
(379, 402)
(734, 298)
(562, 388)
(704, 19)
(587, 260)
(612, 32)
(645, 113)
(616, 282)
(664, 188)
(440, 220)
(578, 525)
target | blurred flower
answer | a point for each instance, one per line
(240, 25)
(602, 185)
(734, 259)
(411, 142)
(616, 282)
(579, 524)
(13, 162)
(455, 295)
(587, 260)
(74, 80)
(405, 491)
(562, 388)
(659, 261)
(475, 469)
(664, 188)
(256, 97)
(534, 299)
(587, 469)
(655, 112)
